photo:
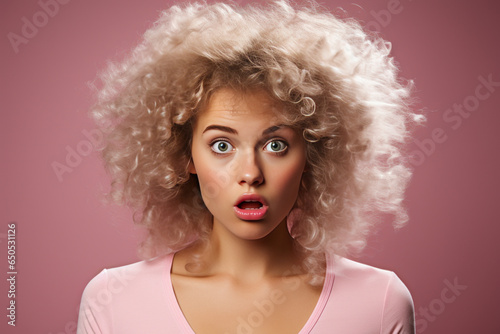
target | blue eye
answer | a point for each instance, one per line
(221, 147)
(276, 146)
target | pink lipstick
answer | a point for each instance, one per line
(250, 207)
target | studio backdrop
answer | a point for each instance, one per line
(52, 179)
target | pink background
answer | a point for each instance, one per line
(66, 235)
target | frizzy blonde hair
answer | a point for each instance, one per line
(337, 84)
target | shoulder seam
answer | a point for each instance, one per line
(391, 277)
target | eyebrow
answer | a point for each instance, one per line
(221, 128)
(272, 129)
(227, 129)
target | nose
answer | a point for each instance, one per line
(250, 170)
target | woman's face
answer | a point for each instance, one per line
(249, 165)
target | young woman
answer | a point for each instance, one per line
(257, 145)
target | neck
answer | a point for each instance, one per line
(251, 260)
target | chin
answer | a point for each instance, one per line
(254, 230)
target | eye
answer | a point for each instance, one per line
(221, 147)
(276, 146)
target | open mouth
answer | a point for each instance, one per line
(250, 205)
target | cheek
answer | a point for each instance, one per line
(208, 182)
(213, 177)
(204, 171)
(286, 181)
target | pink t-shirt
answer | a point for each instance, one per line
(139, 298)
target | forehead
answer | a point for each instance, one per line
(229, 104)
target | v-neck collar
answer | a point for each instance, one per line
(175, 308)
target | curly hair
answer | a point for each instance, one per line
(337, 83)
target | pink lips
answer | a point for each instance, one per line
(250, 213)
